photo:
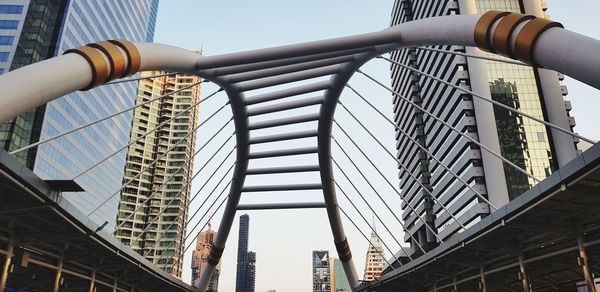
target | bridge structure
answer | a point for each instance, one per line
(555, 223)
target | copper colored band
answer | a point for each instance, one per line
(501, 38)
(96, 60)
(133, 56)
(115, 57)
(529, 35)
(343, 250)
(483, 27)
(214, 256)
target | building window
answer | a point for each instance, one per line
(9, 24)
(6, 40)
(3, 56)
(11, 9)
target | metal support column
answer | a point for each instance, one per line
(523, 275)
(482, 282)
(454, 284)
(58, 278)
(93, 281)
(584, 263)
(6, 265)
(114, 285)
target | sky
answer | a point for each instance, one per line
(284, 240)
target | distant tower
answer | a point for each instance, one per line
(375, 257)
(321, 271)
(246, 261)
(199, 257)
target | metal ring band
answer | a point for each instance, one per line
(343, 250)
(483, 27)
(95, 58)
(133, 56)
(215, 255)
(529, 35)
(115, 57)
(507, 25)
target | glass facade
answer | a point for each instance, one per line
(523, 141)
(340, 281)
(321, 271)
(50, 28)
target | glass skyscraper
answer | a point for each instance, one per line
(424, 183)
(321, 271)
(48, 28)
(245, 276)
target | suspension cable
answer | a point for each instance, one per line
(367, 221)
(148, 133)
(172, 176)
(408, 172)
(141, 78)
(403, 166)
(376, 193)
(553, 126)
(509, 61)
(365, 178)
(104, 119)
(370, 207)
(367, 238)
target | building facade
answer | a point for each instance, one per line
(321, 271)
(159, 169)
(245, 276)
(424, 183)
(47, 28)
(374, 264)
(199, 255)
(339, 281)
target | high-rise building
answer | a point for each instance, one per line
(530, 145)
(375, 258)
(159, 169)
(34, 30)
(246, 261)
(321, 271)
(339, 281)
(199, 255)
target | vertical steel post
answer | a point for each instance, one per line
(114, 285)
(92, 281)
(454, 284)
(523, 275)
(58, 276)
(435, 285)
(482, 282)
(584, 263)
(6, 265)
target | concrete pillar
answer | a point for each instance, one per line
(482, 282)
(6, 265)
(58, 277)
(487, 131)
(92, 281)
(584, 263)
(523, 275)
(564, 145)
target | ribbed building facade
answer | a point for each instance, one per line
(375, 259)
(424, 183)
(200, 254)
(47, 28)
(153, 207)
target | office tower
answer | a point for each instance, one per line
(246, 261)
(159, 168)
(524, 142)
(321, 271)
(339, 281)
(47, 28)
(375, 257)
(199, 255)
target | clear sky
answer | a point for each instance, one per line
(283, 240)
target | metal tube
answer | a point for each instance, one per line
(275, 188)
(278, 206)
(284, 121)
(285, 152)
(523, 274)
(476, 56)
(283, 169)
(285, 106)
(585, 266)
(287, 78)
(284, 137)
(6, 265)
(92, 281)
(141, 78)
(57, 278)
(288, 92)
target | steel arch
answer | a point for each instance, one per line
(536, 41)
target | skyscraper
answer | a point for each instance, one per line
(375, 257)
(199, 255)
(246, 261)
(424, 183)
(159, 169)
(321, 271)
(339, 281)
(34, 30)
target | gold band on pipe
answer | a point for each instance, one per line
(214, 256)
(483, 27)
(343, 250)
(133, 56)
(97, 61)
(528, 36)
(501, 40)
(115, 57)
